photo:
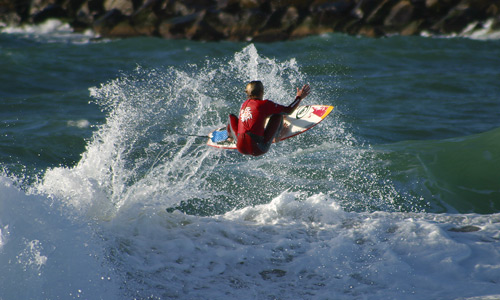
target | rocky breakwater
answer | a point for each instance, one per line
(257, 20)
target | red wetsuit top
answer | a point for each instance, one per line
(253, 115)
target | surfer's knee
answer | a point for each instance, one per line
(232, 126)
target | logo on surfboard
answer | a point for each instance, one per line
(302, 111)
(320, 111)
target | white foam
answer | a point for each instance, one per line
(295, 248)
(4, 234)
(51, 31)
(82, 123)
(481, 31)
(46, 254)
(475, 30)
(141, 120)
(48, 27)
(31, 256)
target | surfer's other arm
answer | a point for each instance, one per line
(301, 94)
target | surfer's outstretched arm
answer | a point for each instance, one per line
(301, 94)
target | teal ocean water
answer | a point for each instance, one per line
(105, 195)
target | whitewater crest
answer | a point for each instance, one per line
(51, 31)
(483, 31)
(143, 154)
(44, 251)
(307, 247)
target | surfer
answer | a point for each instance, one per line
(248, 130)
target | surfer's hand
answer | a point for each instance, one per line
(302, 93)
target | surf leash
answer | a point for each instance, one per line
(195, 135)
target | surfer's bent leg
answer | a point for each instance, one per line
(261, 144)
(273, 128)
(256, 145)
(252, 144)
(232, 126)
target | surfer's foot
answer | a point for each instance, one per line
(284, 130)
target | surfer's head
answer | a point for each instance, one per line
(255, 90)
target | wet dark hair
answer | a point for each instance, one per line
(255, 89)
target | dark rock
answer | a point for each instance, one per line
(379, 13)
(250, 4)
(363, 8)
(9, 18)
(496, 24)
(122, 30)
(290, 18)
(400, 14)
(84, 15)
(355, 27)
(126, 7)
(482, 9)
(222, 22)
(228, 6)
(108, 21)
(455, 20)
(271, 35)
(333, 15)
(202, 30)
(145, 23)
(370, 31)
(260, 20)
(95, 6)
(249, 23)
(72, 6)
(146, 20)
(413, 28)
(305, 28)
(493, 10)
(285, 4)
(38, 5)
(14, 12)
(51, 11)
(191, 26)
(9, 13)
(336, 7)
(464, 12)
(440, 6)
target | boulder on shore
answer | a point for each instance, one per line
(257, 20)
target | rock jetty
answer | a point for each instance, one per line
(257, 20)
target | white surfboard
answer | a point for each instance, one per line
(301, 120)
